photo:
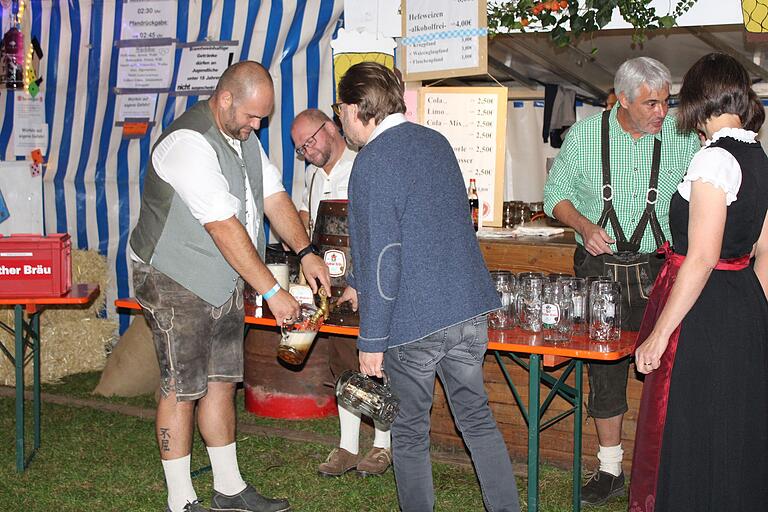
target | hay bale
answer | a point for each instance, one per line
(73, 339)
(67, 347)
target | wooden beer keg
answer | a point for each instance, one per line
(276, 390)
(331, 236)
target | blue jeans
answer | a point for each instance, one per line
(456, 355)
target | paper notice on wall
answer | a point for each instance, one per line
(29, 128)
(138, 106)
(143, 68)
(201, 66)
(381, 17)
(148, 19)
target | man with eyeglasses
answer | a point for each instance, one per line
(612, 182)
(320, 143)
(198, 238)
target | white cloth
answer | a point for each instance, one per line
(388, 122)
(327, 186)
(537, 231)
(187, 162)
(717, 166)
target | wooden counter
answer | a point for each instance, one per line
(553, 254)
(530, 253)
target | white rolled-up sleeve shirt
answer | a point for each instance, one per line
(188, 163)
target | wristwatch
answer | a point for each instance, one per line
(311, 248)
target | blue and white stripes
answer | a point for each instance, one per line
(92, 184)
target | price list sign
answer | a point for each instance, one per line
(474, 121)
(444, 38)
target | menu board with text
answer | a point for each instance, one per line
(444, 38)
(474, 120)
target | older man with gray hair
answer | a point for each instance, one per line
(612, 182)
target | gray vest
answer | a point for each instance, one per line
(170, 239)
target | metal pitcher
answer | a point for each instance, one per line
(360, 393)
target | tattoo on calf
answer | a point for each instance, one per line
(165, 439)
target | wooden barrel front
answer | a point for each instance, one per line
(276, 390)
(331, 236)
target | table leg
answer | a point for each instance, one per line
(34, 324)
(577, 412)
(19, 361)
(534, 424)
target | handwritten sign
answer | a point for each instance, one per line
(444, 38)
(201, 66)
(474, 121)
(149, 19)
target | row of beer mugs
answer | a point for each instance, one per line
(558, 305)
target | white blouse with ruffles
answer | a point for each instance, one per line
(717, 166)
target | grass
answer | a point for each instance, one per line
(95, 460)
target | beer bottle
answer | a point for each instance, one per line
(474, 203)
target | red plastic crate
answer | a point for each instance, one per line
(35, 265)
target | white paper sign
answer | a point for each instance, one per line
(201, 67)
(469, 122)
(441, 35)
(381, 17)
(149, 19)
(145, 67)
(23, 194)
(29, 129)
(136, 106)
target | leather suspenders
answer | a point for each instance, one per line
(651, 196)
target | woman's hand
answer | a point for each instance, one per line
(648, 354)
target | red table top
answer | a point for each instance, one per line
(512, 340)
(81, 293)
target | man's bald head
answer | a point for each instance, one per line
(243, 97)
(311, 116)
(244, 79)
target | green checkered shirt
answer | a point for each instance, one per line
(577, 173)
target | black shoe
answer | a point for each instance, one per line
(248, 500)
(601, 487)
(193, 506)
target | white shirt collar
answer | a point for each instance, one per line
(390, 121)
(739, 134)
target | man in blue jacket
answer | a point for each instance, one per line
(421, 285)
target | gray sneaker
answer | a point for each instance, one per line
(248, 500)
(194, 506)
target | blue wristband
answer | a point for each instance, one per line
(268, 295)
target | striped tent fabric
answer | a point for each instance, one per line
(94, 176)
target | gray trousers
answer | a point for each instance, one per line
(456, 355)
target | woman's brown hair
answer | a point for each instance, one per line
(718, 84)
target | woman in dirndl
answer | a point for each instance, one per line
(702, 429)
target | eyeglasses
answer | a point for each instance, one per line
(309, 142)
(336, 107)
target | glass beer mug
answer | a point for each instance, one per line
(503, 318)
(296, 339)
(556, 311)
(360, 393)
(529, 295)
(605, 311)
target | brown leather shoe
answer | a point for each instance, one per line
(339, 461)
(375, 462)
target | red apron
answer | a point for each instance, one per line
(653, 405)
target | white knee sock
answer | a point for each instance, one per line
(226, 474)
(179, 483)
(610, 458)
(381, 438)
(349, 423)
